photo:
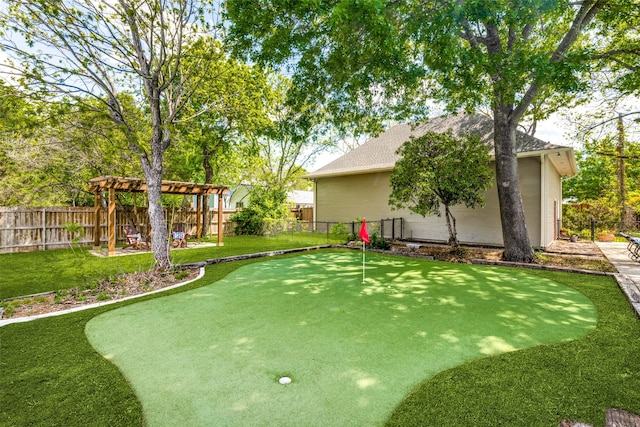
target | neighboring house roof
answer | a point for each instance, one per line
(301, 197)
(241, 193)
(379, 154)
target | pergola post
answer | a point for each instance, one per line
(199, 216)
(111, 221)
(220, 219)
(96, 220)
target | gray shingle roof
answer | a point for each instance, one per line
(379, 153)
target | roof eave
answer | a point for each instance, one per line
(313, 176)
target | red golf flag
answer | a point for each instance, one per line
(364, 235)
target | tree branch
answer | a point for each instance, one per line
(586, 13)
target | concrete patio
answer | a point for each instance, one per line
(103, 252)
(628, 276)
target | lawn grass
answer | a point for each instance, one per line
(50, 375)
(25, 273)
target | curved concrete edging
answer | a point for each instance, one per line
(199, 265)
(97, 304)
(631, 291)
(256, 255)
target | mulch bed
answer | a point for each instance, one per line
(572, 255)
(118, 287)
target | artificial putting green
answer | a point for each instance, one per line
(213, 355)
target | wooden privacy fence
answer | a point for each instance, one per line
(29, 229)
(302, 214)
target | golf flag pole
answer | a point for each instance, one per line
(363, 250)
(364, 235)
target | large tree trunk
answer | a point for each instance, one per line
(517, 246)
(159, 236)
(160, 139)
(505, 121)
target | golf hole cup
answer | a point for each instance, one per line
(284, 380)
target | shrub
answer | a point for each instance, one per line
(339, 228)
(248, 222)
(378, 242)
(267, 213)
(578, 217)
(76, 231)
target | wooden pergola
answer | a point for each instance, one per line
(112, 184)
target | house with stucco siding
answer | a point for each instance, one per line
(357, 185)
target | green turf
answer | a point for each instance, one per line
(25, 273)
(213, 355)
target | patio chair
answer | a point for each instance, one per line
(633, 246)
(180, 236)
(134, 238)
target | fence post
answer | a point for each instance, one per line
(382, 228)
(44, 229)
(593, 229)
